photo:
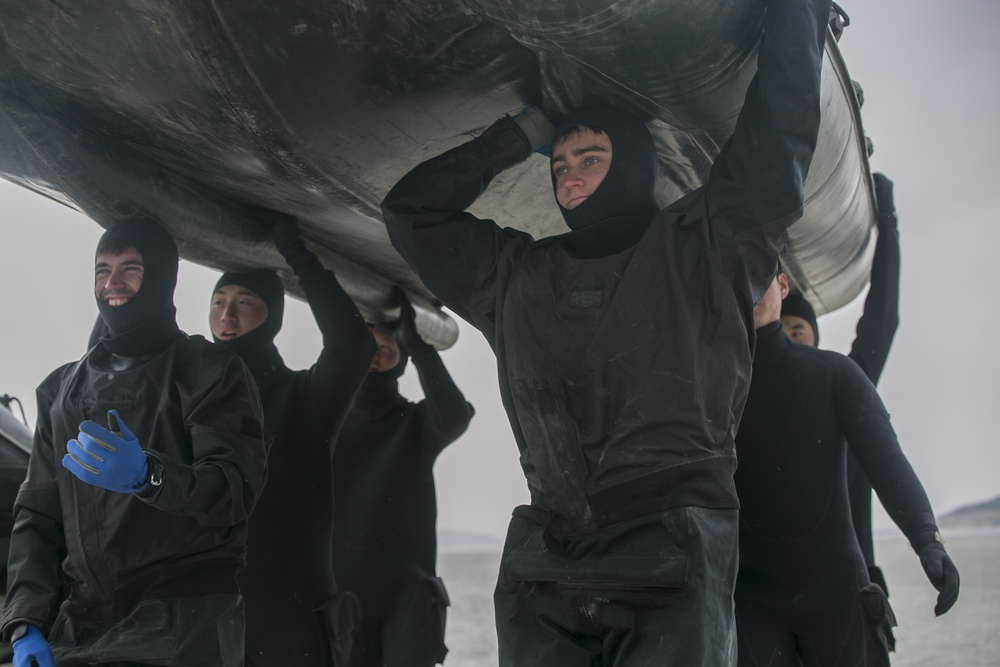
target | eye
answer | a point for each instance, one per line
(559, 171)
(591, 161)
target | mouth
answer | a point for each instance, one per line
(576, 201)
(115, 301)
(227, 335)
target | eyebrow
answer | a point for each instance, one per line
(595, 148)
(241, 292)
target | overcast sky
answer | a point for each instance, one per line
(930, 74)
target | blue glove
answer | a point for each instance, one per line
(32, 647)
(109, 458)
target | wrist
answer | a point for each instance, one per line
(926, 538)
(17, 630)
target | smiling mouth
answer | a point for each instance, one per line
(115, 301)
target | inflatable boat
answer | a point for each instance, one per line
(193, 110)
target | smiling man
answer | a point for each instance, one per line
(623, 351)
(294, 616)
(147, 459)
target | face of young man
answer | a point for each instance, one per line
(798, 330)
(387, 353)
(580, 161)
(117, 278)
(235, 311)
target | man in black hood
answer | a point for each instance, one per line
(803, 595)
(127, 539)
(385, 550)
(870, 349)
(624, 350)
(294, 616)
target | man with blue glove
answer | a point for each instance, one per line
(128, 537)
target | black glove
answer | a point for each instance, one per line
(940, 570)
(404, 330)
(884, 201)
(288, 240)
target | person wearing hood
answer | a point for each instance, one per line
(803, 595)
(624, 351)
(385, 546)
(148, 457)
(870, 349)
(294, 615)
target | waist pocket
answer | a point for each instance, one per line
(643, 553)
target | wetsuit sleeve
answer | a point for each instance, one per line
(880, 319)
(454, 253)
(348, 348)
(873, 442)
(220, 485)
(757, 179)
(37, 545)
(444, 412)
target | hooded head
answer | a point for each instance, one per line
(253, 342)
(140, 317)
(379, 393)
(799, 320)
(628, 189)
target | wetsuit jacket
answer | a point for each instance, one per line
(806, 408)
(195, 407)
(624, 370)
(384, 479)
(289, 571)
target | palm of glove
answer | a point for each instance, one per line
(884, 199)
(942, 573)
(32, 649)
(404, 330)
(101, 457)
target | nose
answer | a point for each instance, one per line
(572, 178)
(228, 313)
(114, 280)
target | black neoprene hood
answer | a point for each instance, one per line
(155, 299)
(629, 188)
(265, 284)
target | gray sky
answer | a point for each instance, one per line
(929, 71)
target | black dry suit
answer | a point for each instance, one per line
(803, 588)
(289, 575)
(385, 548)
(624, 346)
(142, 577)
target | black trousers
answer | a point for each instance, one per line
(655, 591)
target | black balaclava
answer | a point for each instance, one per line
(379, 393)
(629, 188)
(797, 306)
(256, 348)
(146, 324)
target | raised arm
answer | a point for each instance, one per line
(453, 252)
(880, 318)
(348, 346)
(758, 177)
(444, 412)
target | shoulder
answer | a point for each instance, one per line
(49, 387)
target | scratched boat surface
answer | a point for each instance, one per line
(190, 110)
